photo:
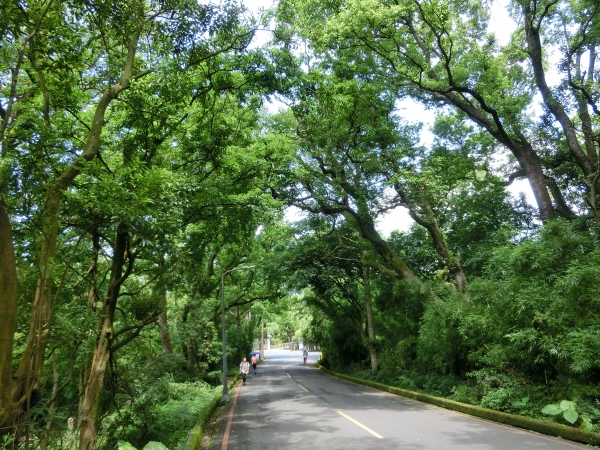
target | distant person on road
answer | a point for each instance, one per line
(244, 369)
(254, 363)
(305, 354)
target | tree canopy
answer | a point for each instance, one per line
(142, 163)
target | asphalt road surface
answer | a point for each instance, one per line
(289, 405)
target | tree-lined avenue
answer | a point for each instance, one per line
(143, 173)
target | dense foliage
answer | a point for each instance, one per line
(141, 171)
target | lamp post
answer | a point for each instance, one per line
(225, 395)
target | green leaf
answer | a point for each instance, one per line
(566, 405)
(570, 416)
(586, 423)
(587, 426)
(155, 446)
(126, 446)
(552, 409)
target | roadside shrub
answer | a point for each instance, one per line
(440, 346)
(165, 412)
(465, 394)
(397, 359)
(174, 364)
(345, 351)
(498, 399)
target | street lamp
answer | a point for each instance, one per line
(225, 395)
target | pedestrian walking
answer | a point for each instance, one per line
(244, 369)
(305, 354)
(254, 363)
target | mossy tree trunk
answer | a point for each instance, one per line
(32, 361)
(88, 413)
(369, 309)
(163, 323)
(8, 306)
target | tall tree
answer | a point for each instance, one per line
(351, 154)
(61, 100)
(30, 368)
(441, 53)
(8, 301)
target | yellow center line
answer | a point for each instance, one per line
(288, 375)
(283, 367)
(303, 387)
(378, 436)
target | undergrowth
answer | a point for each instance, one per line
(166, 412)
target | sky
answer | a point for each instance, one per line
(500, 24)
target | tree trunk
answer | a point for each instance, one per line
(430, 223)
(521, 149)
(32, 361)
(262, 339)
(8, 306)
(534, 49)
(369, 308)
(366, 228)
(93, 271)
(46, 438)
(163, 324)
(185, 350)
(561, 205)
(165, 336)
(584, 115)
(530, 162)
(83, 376)
(441, 246)
(588, 134)
(95, 381)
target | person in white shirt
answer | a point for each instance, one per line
(244, 368)
(305, 354)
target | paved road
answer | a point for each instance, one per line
(290, 406)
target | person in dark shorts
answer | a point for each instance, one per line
(244, 369)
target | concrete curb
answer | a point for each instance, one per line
(194, 439)
(528, 423)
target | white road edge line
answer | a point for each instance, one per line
(378, 436)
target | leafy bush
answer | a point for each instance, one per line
(200, 342)
(405, 382)
(568, 411)
(345, 352)
(498, 399)
(441, 347)
(239, 341)
(165, 412)
(528, 335)
(465, 394)
(174, 364)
